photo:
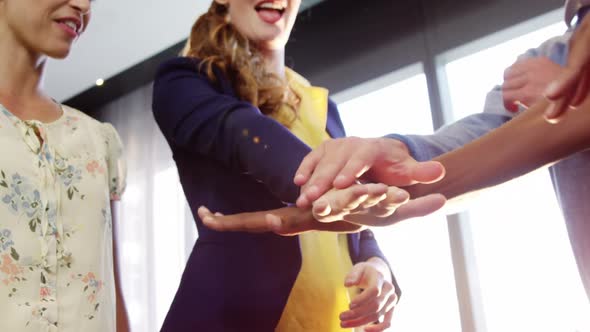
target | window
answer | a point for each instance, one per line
(417, 250)
(528, 277)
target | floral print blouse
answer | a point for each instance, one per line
(56, 262)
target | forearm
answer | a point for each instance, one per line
(520, 146)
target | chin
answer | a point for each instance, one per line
(271, 44)
(58, 53)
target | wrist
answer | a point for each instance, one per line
(380, 265)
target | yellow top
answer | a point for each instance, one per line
(318, 295)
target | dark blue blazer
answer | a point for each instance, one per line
(232, 158)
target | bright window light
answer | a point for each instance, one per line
(528, 277)
(418, 250)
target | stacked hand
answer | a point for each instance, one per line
(571, 88)
(339, 210)
(332, 200)
(526, 80)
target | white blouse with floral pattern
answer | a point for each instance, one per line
(56, 261)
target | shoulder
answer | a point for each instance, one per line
(178, 64)
(73, 115)
(104, 130)
(183, 72)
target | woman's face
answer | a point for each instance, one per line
(45, 27)
(267, 23)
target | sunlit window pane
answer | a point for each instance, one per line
(528, 276)
(418, 250)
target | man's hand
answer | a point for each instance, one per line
(570, 89)
(340, 162)
(526, 80)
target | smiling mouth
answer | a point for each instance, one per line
(271, 6)
(73, 26)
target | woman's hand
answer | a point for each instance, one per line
(394, 206)
(285, 221)
(292, 220)
(373, 307)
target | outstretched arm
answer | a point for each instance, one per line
(520, 146)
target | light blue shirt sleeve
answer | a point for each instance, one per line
(461, 132)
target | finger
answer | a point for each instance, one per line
(253, 222)
(384, 325)
(395, 197)
(364, 320)
(368, 294)
(566, 82)
(369, 311)
(421, 206)
(582, 89)
(514, 83)
(418, 207)
(510, 97)
(204, 213)
(556, 109)
(412, 172)
(289, 226)
(376, 288)
(515, 70)
(308, 165)
(338, 202)
(355, 276)
(354, 168)
(384, 209)
(376, 193)
(391, 301)
(321, 180)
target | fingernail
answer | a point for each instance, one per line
(549, 112)
(551, 89)
(401, 194)
(513, 108)
(340, 178)
(302, 201)
(298, 179)
(351, 279)
(322, 208)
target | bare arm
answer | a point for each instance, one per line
(520, 146)
(122, 317)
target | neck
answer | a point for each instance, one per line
(21, 70)
(275, 61)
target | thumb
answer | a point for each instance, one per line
(565, 82)
(411, 172)
(355, 276)
(428, 171)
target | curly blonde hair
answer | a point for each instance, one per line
(216, 43)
